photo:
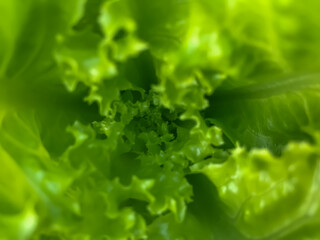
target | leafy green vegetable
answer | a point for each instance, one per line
(269, 114)
(160, 120)
(259, 187)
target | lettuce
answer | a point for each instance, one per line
(160, 120)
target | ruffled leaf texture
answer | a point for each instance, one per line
(161, 120)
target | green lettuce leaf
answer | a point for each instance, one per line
(268, 114)
(172, 119)
(268, 196)
(18, 218)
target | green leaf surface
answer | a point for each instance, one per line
(164, 120)
(258, 189)
(269, 114)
